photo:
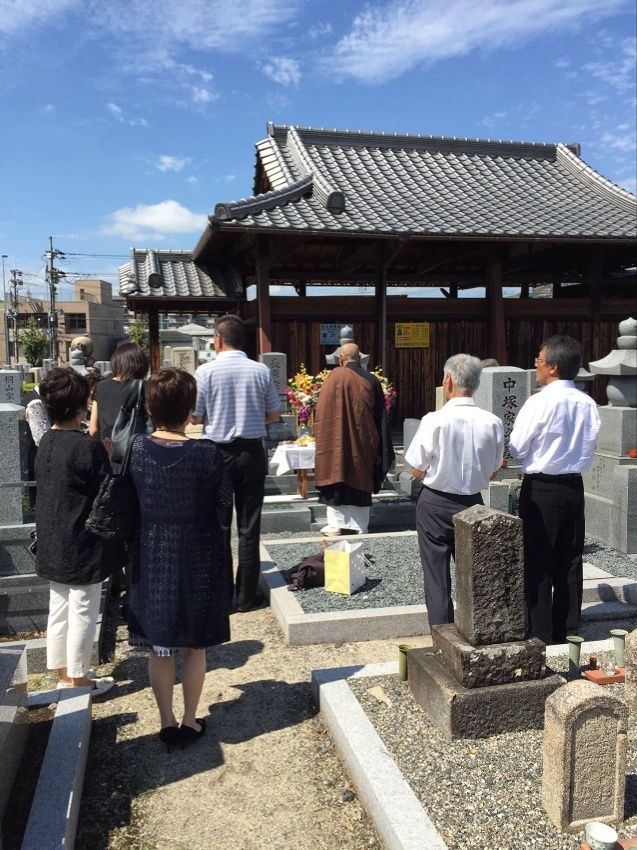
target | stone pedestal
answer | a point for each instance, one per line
(461, 712)
(184, 358)
(492, 664)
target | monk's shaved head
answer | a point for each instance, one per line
(349, 352)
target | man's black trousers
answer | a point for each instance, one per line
(436, 542)
(552, 510)
(246, 465)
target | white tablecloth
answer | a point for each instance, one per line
(287, 458)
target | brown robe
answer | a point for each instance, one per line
(346, 432)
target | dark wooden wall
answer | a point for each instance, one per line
(416, 372)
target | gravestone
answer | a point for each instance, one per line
(10, 386)
(277, 363)
(489, 576)
(102, 366)
(184, 357)
(610, 485)
(630, 661)
(37, 374)
(502, 391)
(481, 676)
(47, 365)
(584, 756)
(11, 415)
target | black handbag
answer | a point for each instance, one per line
(115, 510)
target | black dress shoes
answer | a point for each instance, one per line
(259, 598)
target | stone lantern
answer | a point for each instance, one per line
(347, 335)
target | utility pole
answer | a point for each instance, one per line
(14, 284)
(53, 275)
(6, 318)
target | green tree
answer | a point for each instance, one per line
(34, 342)
(139, 334)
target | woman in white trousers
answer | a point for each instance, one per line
(69, 469)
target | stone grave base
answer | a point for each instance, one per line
(493, 664)
(461, 712)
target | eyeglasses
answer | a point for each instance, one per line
(539, 362)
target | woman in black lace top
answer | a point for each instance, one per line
(179, 597)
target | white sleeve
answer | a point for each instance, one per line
(525, 429)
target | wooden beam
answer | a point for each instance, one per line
(496, 314)
(264, 333)
(153, 339)
(380, 298)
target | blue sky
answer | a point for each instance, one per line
(123, 123)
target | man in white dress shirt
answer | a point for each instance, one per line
(555, 433)
(456, 450)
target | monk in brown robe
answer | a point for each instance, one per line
(353, 446)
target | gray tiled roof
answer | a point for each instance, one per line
(341, 181)
(173, 274)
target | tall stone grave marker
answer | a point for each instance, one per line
(185, 358)
(610, 485)
(584, 773)
(10, 473)
(503, 390)
(10, 384)
(482, 677)
(277, 363)
(47, 365)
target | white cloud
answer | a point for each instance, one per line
(153, 221)
(16, 16)
(492, 121)
(192, 180)
(619, 141)
(172, 163)
(387, 40)
(283, 70)
(116, 111)
(619, 72)
(203, 95)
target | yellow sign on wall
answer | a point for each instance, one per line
(411, 335)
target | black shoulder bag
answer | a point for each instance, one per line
(115, 511)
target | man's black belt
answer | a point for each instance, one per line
(243, 440)
(544, 476)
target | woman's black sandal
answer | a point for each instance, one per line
(170, 736)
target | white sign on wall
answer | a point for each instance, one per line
(330, 334)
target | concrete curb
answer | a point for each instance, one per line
(400, 819)
(56, 804)
(301, 629)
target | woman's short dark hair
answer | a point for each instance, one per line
(64, 393)
(129, 361)
(232, 330)
(171, 395)
(565, 353)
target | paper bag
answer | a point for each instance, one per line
(344, 567)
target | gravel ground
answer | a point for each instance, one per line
(395, 575)
(478, 793)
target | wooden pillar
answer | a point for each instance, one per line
(264, 334)
(153, 339)
(596, 274)
(380, 292)
(496, 314)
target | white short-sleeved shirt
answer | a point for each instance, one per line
(556, 430)
(234, 394)
(459, 447)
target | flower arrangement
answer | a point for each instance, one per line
(388, 389)
(302, 392)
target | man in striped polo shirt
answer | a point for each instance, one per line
(236, 398)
